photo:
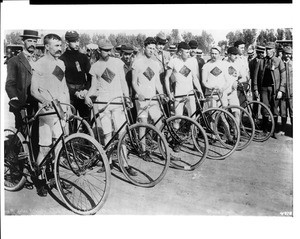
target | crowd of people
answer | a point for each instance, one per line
(74, 77)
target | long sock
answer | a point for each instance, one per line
(283, 123)
(276, 123)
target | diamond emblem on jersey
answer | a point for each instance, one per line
(185, 71)
(108, 75)
(232, 71)
(149, 73)
(216, 71)
(58, 72)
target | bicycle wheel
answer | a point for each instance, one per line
(15, 153)
(246, 123)
(83, 188)
(262, 132)
(143, 148)
(187, 140)
(79, 125)
(222, 131)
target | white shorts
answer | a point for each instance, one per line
(190, 105)
(233, 98)
(153, 110)
(112, 118)
(49, 129)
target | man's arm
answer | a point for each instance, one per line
(167, 82)
(11, 80)
(197, 82)
(282, 83)
(124, 85)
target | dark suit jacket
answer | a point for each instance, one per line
(19, 75)
(278, 74)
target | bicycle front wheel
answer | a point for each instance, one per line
(187, 140)
(143, 149)
(77, 124)
(82, 174)
(222, 131)
(246, 123)
(15, 154)
(263, 130)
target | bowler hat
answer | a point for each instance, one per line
(233, 50)
(193, 44)
(270, 45)
(161, 38)
(30, 34)
(260, 49)
(105, 45)
(71, 36)
(288, 50)
(127, 48)
(183, 45)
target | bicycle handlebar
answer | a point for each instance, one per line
(113, 103)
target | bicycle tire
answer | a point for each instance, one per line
(14, 167)
(78, 124)
(260, 134)
(88, 188)
(189, 138)
(148, 173)
(220, 145)
(247, 127)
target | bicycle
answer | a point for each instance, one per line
(220, 126)
(184, 135)
(137, 141)
(244, 120)
(70, 165)
(263, 130)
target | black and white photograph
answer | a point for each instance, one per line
(148, 116)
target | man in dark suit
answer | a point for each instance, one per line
(269, 82)
(19, 73)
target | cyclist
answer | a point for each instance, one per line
(108, 81)
(48, 83)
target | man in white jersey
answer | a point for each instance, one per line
(234, 76)
(108, 82)
(146, 81)
(183, 67)
(48, 83)
(215, 77)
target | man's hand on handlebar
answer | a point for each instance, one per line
(47, 104)
(88, 101)
(141, 97)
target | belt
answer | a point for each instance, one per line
(76, 87)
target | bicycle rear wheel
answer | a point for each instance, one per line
(246, 123)
(187, 140)
(263, 131)
(15, 153)
(144, 149)
(222, 131)
(79, 125)
(76, 168)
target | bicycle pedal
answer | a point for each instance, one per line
(22, 155)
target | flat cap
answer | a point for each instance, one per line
(232, 50)
(238, 42)
(270, 45)
(149, 40)
(127, 48)
(288, 50)
(71, 36)
(172, 48)
(193, 44)
(216, 48)
(105, 44)
(161, 38)
(183, 45)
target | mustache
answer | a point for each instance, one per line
(59, 51)
(32, 46)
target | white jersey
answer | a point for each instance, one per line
(49, 73)
(110, 77)
(243, 65)
(215, 74)
(147, 71)
(183, 71)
